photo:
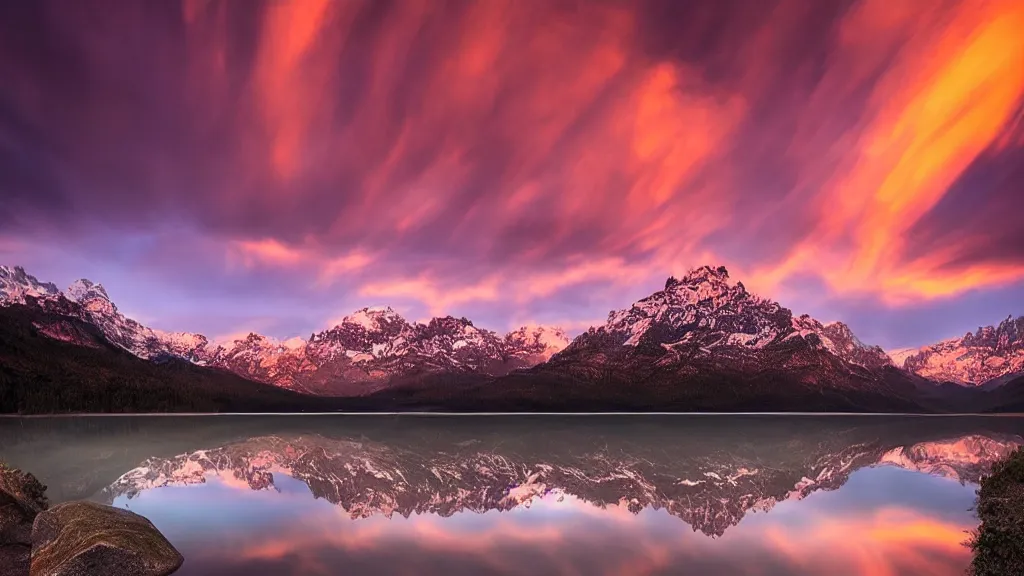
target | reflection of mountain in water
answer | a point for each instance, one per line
(710, 483)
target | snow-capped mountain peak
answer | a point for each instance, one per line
(704, 300)
(83, 289)
(705, 314)
(538, 340)
(701, 315)
(838, 339)
(704, 283)
(990, 353)
(371, 318)
(95, 300)
(16, 284)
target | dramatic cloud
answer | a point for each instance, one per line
(507, 160)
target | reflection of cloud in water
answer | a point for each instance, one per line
(289, 532)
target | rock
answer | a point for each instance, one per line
(14, 559)
(21, 499)
(85, 538)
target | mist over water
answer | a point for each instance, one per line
(532, 494)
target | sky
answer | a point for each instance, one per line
(270, 166)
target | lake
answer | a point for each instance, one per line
(532, 495)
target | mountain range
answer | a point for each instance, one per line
(702, 343)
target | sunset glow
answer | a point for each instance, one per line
(274, 165)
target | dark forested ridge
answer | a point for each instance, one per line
(86, 373)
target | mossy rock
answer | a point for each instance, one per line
(85, 538)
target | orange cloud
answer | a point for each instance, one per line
(947, 97)
(437, 297)
(500, 151)
(271, 252)
(268, 250)
(291, 88)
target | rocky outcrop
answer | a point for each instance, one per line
(21, 499)
(83, 538)
(74, 538)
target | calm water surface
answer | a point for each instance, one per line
(532, 495)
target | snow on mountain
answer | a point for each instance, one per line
(370, 345)
(707, 310)
(838, 339)
(378, 344)
(263, 359)
(990, 353)
(89, 301)
(122, 331)
(365, 334)
(704, 313)
(900, 355)
(125, 332)
(536, 342)
(16, 284)
(187, 345)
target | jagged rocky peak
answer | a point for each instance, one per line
(373, 318)
(704, 284)
(364, 327)
(448, 334)
(1008, 335)
(538, 340)
(705, 281)
(83, 290)
(187, 345)
(539, 334)
(450, 325)
(839, 339)
(16, 284)
(252, 344)
(703, 301)
(94, 298)
(254, 338)
(992, 353)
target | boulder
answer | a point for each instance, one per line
(85, 538)
(21, 499)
